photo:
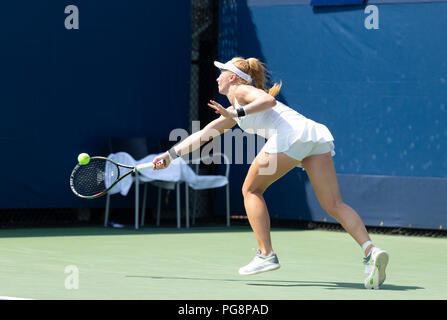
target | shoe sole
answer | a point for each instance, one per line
(380, 263)
(270, 268)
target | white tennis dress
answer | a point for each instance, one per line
(288, 131)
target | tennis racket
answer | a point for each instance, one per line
(100, 175)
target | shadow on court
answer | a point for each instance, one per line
(336, 285)
(282, 283)
(101, 231)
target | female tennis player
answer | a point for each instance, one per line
(292, 141)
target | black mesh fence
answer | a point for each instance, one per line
(65, 217)
(204, 50)
(315, 225)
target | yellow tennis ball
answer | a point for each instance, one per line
(83, 158)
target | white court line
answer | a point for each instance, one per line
(13, 298)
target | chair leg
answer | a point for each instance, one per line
(106, 216)
(179, 223)
(228, 205)
(143, 208)
(187, 204)
(194, 207)
(137, 189)
(158, 206)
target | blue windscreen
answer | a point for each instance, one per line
(335, 2)
(382, 92)
(376, 76)
(123, 73)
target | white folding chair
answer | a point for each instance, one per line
(137, 182)
(167, 185)
(220, 181)
(136, 148)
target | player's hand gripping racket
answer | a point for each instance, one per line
(100, 175)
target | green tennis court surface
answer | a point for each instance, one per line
(202, 263)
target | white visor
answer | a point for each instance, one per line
(231, 67)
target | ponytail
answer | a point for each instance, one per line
(256, 69)
(274, 91)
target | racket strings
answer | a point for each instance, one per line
(95, 177)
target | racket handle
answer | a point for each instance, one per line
(149, 165)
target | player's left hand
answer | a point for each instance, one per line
(227, 113)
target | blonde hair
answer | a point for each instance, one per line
(257, 70)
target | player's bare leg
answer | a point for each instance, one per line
(321, 172)
(265, 169)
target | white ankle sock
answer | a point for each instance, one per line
(366, 245)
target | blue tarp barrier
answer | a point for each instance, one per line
(378, 80)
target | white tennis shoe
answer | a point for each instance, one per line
(375, 265)
(260, 264)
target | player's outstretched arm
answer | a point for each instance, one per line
(196, 140)
(253, 100)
